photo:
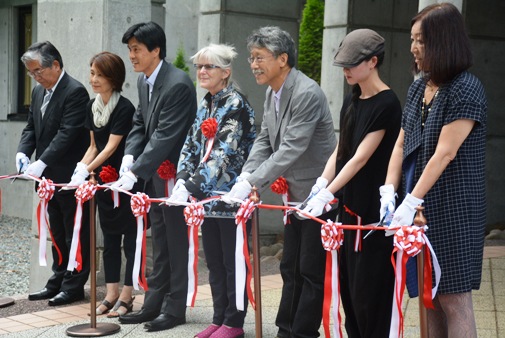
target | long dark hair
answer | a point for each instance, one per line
(447, 50)
(349, 119)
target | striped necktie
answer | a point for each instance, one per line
(47, 97)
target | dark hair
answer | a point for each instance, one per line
(276, 40)
(112, 68)
(150, 34)
(349, 118)
(43, 52)
(447, 50)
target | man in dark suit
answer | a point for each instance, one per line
(56, 133)
(166, 110)
(296, 139)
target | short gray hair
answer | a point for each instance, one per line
(276, 40)
(220, 55)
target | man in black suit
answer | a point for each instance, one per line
(166, 110)
(55, 132)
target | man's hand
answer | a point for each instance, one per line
(79, 176)
(125, 182)
(36, 168)
(239, 191)
(179, 194)
(315, 206)
(22, 162)
(126, 164)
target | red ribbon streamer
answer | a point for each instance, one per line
(194, 216)
(140, 205)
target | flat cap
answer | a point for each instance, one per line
(357, 46)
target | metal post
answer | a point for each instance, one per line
(92, 329)
(256, 264)
(420, 221)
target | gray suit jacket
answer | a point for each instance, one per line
(160, 126)
(297, 143)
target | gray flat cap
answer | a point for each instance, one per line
(357, 46)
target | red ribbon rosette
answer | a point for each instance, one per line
(194, 215)
(167, 172)
(280, 186)
(84, 193)
(209, 130)
(45, 192)
(408, 242)
(140, 206)
(242, 257)
(109, 174)
(332, 237)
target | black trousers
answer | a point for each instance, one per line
(168, 282)
(112, 256)
(302, 270)
(218, 237)
(367, 284)
(61, 209)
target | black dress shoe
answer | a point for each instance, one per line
(164, 322)
(141, 316)
(42, 294)
(66, 297)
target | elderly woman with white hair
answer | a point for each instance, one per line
(212, 157)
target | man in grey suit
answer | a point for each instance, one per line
(296, 139)
(166, 110)
(55, 133)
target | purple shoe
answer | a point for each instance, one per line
(228, 332)
(208, 331)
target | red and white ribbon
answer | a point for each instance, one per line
(167, 172)
(46, 193)
(84, 193)
(332, 237)
(209, 130)
(408, 242)
(194, 215)
(357, 240)
(140, 205)
(243, 276)
(109, 174)
(280, 186)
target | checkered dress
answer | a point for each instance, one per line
(455, 206)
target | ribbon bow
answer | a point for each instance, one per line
(84, 193)
(194, 215)
(109, 174)
(140, 205)
(209, 130)
(45, 192)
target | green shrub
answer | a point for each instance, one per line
(311, 39)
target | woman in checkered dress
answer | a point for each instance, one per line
(441, 153)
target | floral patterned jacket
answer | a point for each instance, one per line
(232, 142)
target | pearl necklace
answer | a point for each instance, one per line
(426, 108)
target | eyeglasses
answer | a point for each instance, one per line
(258, 59)
(206, 66)
(36, 73)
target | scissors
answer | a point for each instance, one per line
(302, 206)
(381, 223)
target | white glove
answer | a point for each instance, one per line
(180, 182)
(239, 191)
(126, 164)
(36, 168)
(22, 162)
(316, 204)
(125, 182)
(179, 195)
(405, 213)
(243, 176)
(388, 195)
(79, 176)
(321, 183)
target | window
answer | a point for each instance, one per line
(24, 88)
